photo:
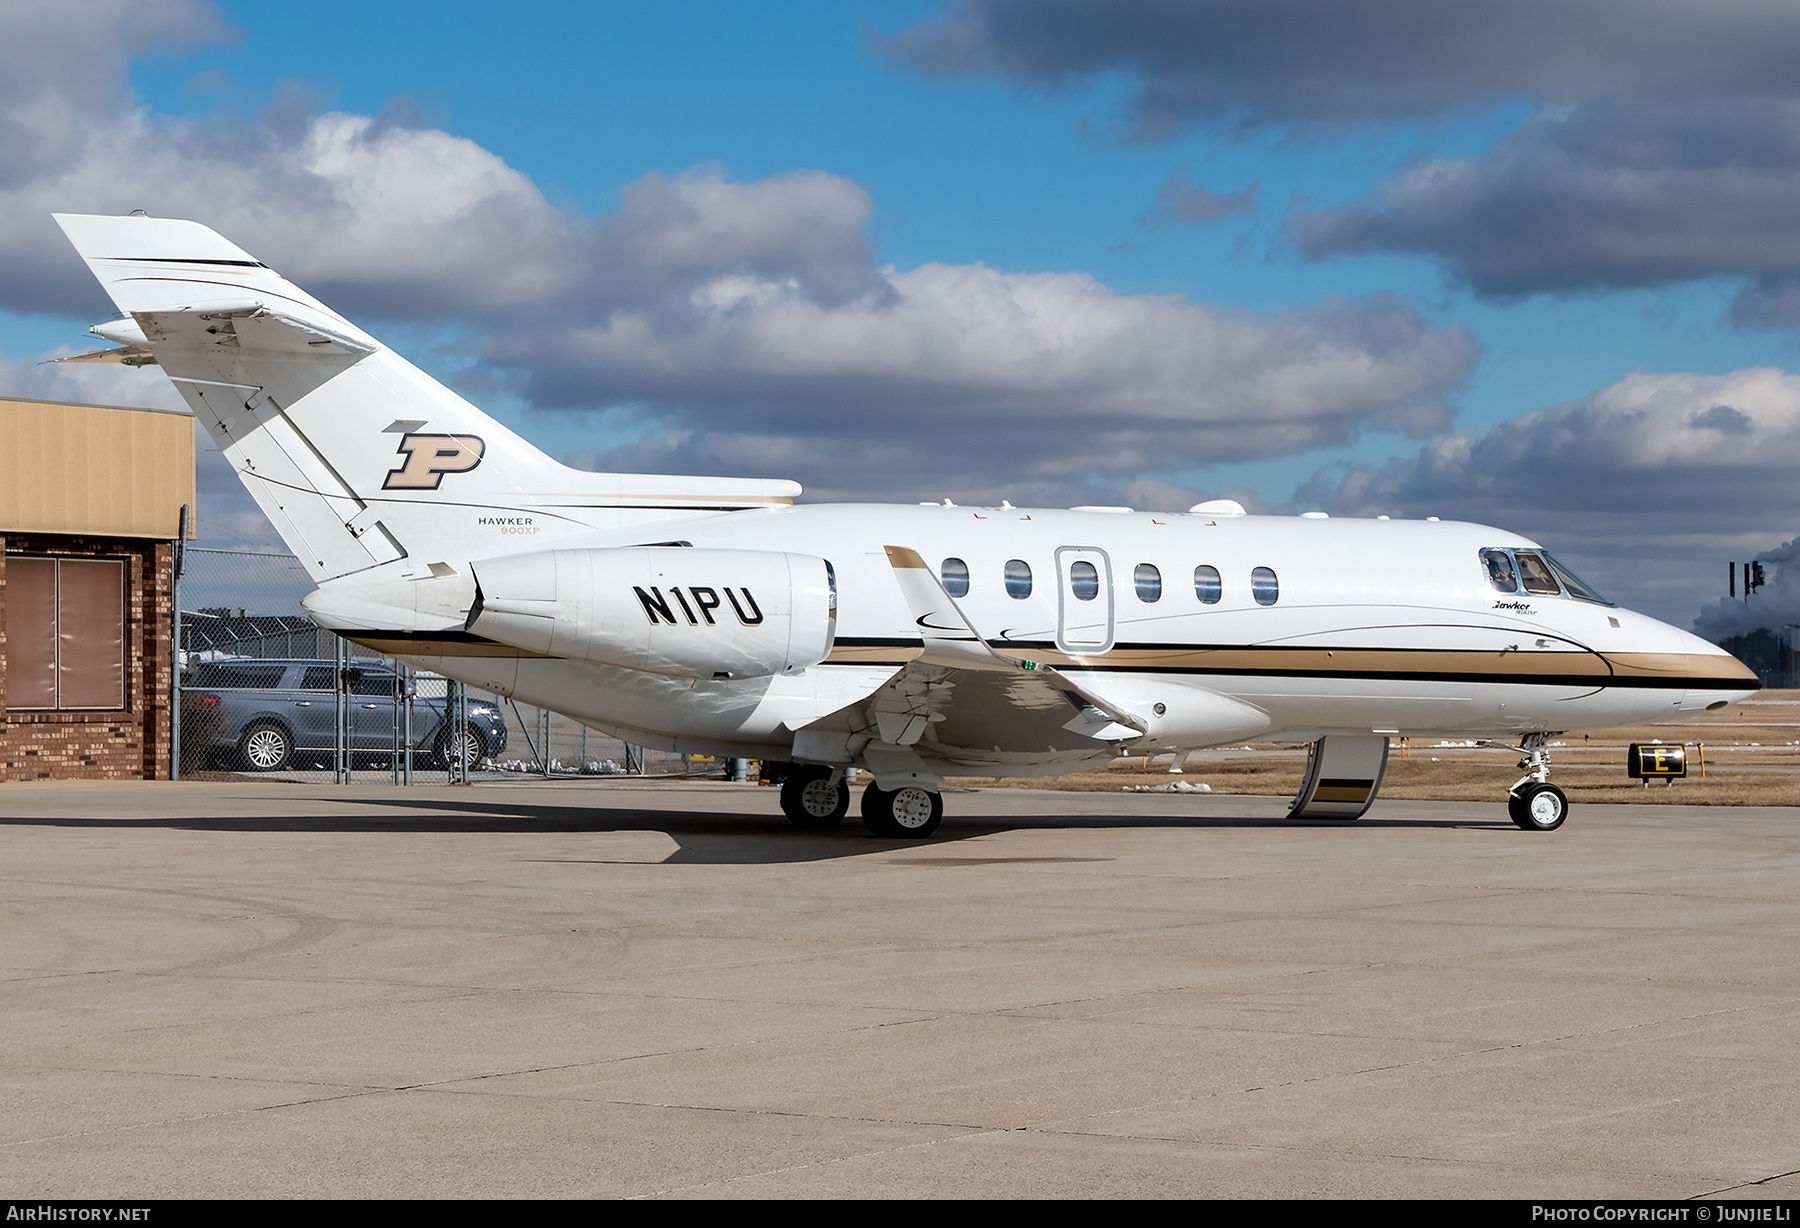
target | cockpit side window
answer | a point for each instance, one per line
(1536, 574)
(1500, 571)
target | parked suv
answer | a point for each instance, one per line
(265, 714)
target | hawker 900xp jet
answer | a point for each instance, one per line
(716, 616)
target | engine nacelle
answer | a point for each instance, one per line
(664, 609)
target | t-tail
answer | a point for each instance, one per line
(357, 457)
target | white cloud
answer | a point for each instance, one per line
(707, 310)
(1648, 487)
(1000, 382)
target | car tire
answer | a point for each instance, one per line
(265, 747)
(474, 751)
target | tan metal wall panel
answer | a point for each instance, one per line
(94, 469)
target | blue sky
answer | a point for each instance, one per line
(998, 135)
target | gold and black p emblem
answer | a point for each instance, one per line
(430, 457)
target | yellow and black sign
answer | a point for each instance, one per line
(1656, 761)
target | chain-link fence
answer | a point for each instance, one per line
(263, 690)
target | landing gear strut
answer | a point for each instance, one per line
(1533, 802)
(815, 796)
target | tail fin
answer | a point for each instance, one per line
(357, 457)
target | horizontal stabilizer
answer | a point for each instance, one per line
(130, 355)
(248, 326)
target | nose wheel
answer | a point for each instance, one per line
(1538, 807)
(1533, 802)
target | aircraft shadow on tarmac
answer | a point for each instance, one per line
(703, 838)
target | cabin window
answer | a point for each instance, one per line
(1207, 585)
(1500, 571)
(1264, 586)
(1018, 578)
(955, 574)
(1084, 581)
(1536, 574)
(1148, 581)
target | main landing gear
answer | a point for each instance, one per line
(908, 812)
(815, 796)
(1533, 802)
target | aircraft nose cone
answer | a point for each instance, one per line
(1700, 675)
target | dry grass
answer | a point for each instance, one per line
(1446, 780)
(1752, 755)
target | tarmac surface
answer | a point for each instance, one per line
(663, 989)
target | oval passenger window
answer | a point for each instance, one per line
(1148, 581)
(1264, 586)
(1018, 578)
(955, 574)
(1084, 581)
(1207, 585)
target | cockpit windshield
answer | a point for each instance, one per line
(1533, 571)
(1574, 585)
(1536, 574)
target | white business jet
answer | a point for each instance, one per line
(714, 615)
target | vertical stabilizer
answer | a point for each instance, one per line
(357, 457)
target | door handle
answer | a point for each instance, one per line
(303, 703)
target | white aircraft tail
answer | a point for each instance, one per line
(357, 457)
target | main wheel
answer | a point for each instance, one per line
(266, 747)
(809, 799)
(909, 812)
(1538, 807)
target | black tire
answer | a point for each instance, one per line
(1538, 807)
(809, 801)
(908, 813)
(265, 746)
(474, 751)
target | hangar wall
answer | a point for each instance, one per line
(90, 504)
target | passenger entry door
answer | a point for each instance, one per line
(1084, 600)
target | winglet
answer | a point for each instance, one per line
(951, 640)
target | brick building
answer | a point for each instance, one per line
(90, 506)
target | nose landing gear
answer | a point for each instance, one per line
(1533, 802)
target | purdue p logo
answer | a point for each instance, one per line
(430, 457)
